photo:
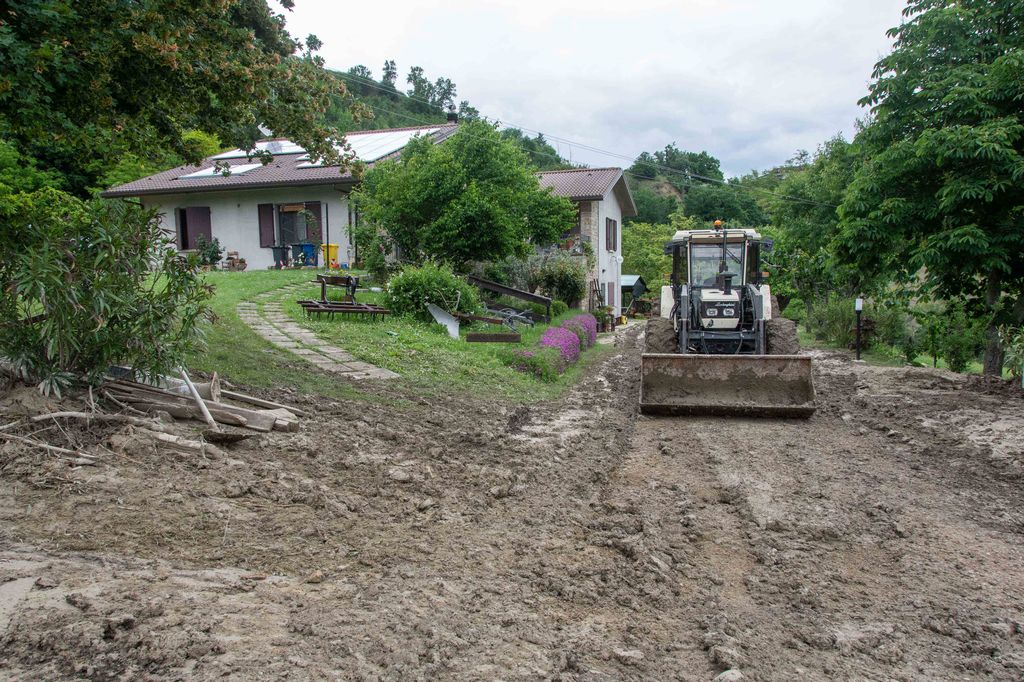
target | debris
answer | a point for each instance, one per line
(731, 675)
(259, 402)
(199, 400)
(629, 656)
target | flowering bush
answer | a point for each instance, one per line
(544, 363)
(585, 326)
(566, 341)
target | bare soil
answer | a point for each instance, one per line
(448, 538)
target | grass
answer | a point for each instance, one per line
(240, 355)
(426, 358)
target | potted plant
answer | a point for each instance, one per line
(209, 251)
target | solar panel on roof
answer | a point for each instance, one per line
(213, 171)
(272, 146)
(370, 146)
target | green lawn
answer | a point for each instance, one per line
(427, 360)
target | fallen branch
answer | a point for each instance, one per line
(118, 418)
(44, 446)
(124, 406)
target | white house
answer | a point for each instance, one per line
(603, 199)
(256, 207)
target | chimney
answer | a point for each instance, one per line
(453, 116)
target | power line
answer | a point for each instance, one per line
(668, 169)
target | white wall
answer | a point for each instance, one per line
(235, 222)
(609, 263)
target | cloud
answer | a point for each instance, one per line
(750, 81)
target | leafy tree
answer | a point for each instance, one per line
(806, 223)
(941, 192)
(652, 207)
(84, 79)
(542, 155)
(390, 74)
(687, 165)
(18, 174)
(473, 198)
(723, 202)
(643, 252)
(645, 166)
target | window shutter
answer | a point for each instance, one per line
(198, 220)
(313, 232)
(266, 218)
(611, 294)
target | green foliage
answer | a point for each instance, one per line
(20, 174)
(99, 284)
(961, 336)
(643, 251)
(209, 250)
(805, 225)
(511, 271)
(1013, 342)
(88, 82)
(833, 321)
(652, 207)
(730, 202)
(561, 276)
(409, 291)
(472, 198)
(558, 308)
(542, 155)
(542, 362)
(941, 190)
(678, 167)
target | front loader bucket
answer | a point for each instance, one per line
(740, 385)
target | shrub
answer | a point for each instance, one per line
(562, 277)
(99, 284)
(588, 324)
(559, 308)
(544, 363)
(510, 271)
(409, 292)
(566, 341)
(1013, 345)
(961, 337)
(209, 251)
(891, 324)
(834, 321)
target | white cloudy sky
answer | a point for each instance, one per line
(750, 81)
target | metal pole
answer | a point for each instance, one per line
(858, 335)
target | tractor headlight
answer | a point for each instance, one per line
(712, 312)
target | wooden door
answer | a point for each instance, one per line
(197, 218)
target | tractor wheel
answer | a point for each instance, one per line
(781, 336)
(660, 336)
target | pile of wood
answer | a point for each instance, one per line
(205, 401)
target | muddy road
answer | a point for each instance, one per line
(445, 538)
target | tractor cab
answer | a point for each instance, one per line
(718, 287)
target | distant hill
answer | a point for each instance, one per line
(422, 103)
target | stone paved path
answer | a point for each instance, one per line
(268, 319)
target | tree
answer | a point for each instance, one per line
(390, 74)
(472, 198)
(643, 249)
(722, 202)
(542, 155)
(691, 168)
(88, 80)
(652, 207)
(942, 190)
(806, 223)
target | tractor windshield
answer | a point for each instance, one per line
(706, 261)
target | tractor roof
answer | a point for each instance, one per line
(711, 235)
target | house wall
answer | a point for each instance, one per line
(609, 262)
(235, 222)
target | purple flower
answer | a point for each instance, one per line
(567, 342)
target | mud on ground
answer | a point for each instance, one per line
(447, 538)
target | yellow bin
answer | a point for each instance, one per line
(330, 254)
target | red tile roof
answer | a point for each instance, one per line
(283, 171)
(589, 184)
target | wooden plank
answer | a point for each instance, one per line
(260, 402)
(508, 291)
(501, 337)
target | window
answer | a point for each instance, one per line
(193, 222)
(706, 262)
(611, 235)
(291, 223)
(299, 222)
